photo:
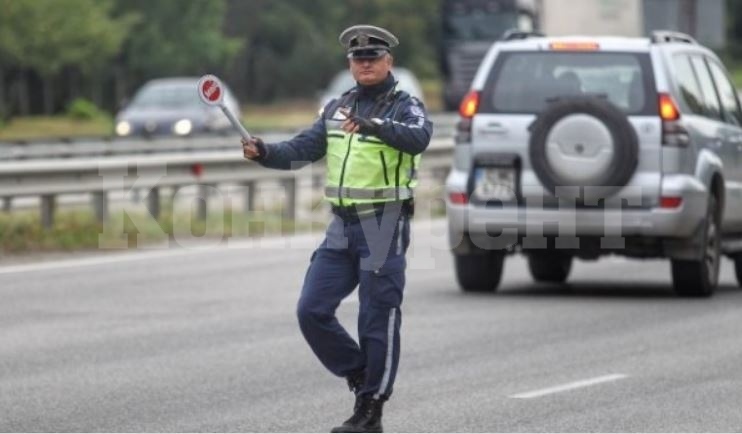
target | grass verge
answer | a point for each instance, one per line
(285, 115)
(21, 232)
(40, 127)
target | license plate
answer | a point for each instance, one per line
(494, 183)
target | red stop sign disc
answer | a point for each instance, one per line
(210, 90)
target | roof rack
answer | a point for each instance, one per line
(515, 34)
(668, 36)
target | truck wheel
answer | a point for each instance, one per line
(699, 278)
(551, 267)
(479, 272)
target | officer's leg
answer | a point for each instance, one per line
(380, 295)
(331, 277)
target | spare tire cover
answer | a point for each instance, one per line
(583, 142)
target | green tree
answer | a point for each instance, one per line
(293, 45)
(46, 35)
(175, 37)
(734, 27)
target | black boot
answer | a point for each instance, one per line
(366, 418)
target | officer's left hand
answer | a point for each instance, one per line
(357, 124)
(350, 127)
(366, 126)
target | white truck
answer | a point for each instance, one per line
(634, 18)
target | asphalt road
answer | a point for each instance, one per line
(207, 340)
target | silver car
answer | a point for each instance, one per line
(171, 107)
(579, 147)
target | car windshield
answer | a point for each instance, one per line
(167, 96)
(525, 82)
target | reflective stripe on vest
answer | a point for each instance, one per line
(369, 193)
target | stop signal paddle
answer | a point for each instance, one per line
(211, 91)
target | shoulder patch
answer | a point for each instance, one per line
(414, 101)
(417, 111)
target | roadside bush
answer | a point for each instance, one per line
(83, 109)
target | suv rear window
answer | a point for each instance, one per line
(525, 82)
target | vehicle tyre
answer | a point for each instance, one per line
(738, 269)
(479, 272)
(699, 278)
(584, 142)
(549, 267)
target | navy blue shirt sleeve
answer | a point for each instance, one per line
(410, 130)
(307, 147)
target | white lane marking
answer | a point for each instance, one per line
(112, 258)
(569, 386)
(82, 262)
(298, 241)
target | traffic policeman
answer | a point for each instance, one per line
(372, 137)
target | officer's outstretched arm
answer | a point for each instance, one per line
(307, 147)
(410, 132)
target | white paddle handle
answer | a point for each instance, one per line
(235, 122)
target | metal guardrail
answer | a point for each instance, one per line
(106, 146)
(48, 178)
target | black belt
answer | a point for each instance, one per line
(354, 213)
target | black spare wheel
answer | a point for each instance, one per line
(584, 142)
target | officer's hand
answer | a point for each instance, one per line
(251, 148)
(348, 125)
(365, 126)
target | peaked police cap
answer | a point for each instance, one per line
(366, 41)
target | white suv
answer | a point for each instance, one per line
(586, 146)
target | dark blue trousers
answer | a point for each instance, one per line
(369, 254)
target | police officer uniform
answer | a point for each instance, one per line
(370, 179)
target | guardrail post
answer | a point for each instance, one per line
(289, 209)
(48, 206)
(250, 196)
(100, 205)
(7, 203)
(153, 202)
(202, 207)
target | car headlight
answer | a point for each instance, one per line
(123, 128)
(182, 127)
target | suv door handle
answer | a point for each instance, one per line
(716, 144)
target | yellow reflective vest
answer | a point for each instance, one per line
(365, 170)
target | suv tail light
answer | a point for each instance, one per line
(467, 109)
(670, 202)
(673, 132)
(469, 105)
(457, 198)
